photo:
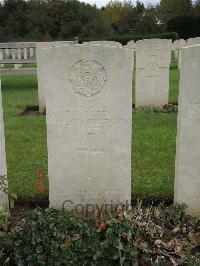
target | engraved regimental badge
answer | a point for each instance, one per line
(88, 77)
(152, 69)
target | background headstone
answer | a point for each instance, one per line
(14, 56)
(183, 43)
(89, 121)
(193, 41)
(109, 43)
(3, 169)
(131, 45)
(176, 47)
(187, 181)
(153, 57)
(41, 65)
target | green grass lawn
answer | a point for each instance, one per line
(153, 155)
(25, 136)
(174, 82)
(153, 148)
(23, 65)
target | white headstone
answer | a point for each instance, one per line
(3, 169)
(41, 65)
(133, 51)
(131, 45)
(173, 46)
(89, 109)
(109, 43)
(187, 181)
(183, 43)
(153, 59)
(193, 41)
(176, 47)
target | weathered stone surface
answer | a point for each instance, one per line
(41, 65)
(88, 97)
(3, 169)
(153, 59)
(187, 181)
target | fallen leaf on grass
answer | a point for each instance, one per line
(177, 245)
(194, 238)
(176, 229)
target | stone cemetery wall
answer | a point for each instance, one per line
(187, 181)
(1, 57)
(18, 50)
(18, 56)
(20, 53)
(153, 57)
(17, 53)
(89, 111)
(3, 169)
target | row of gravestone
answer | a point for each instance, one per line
(153, 58)
(88, 92)
(179, 44)
(175, 46)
